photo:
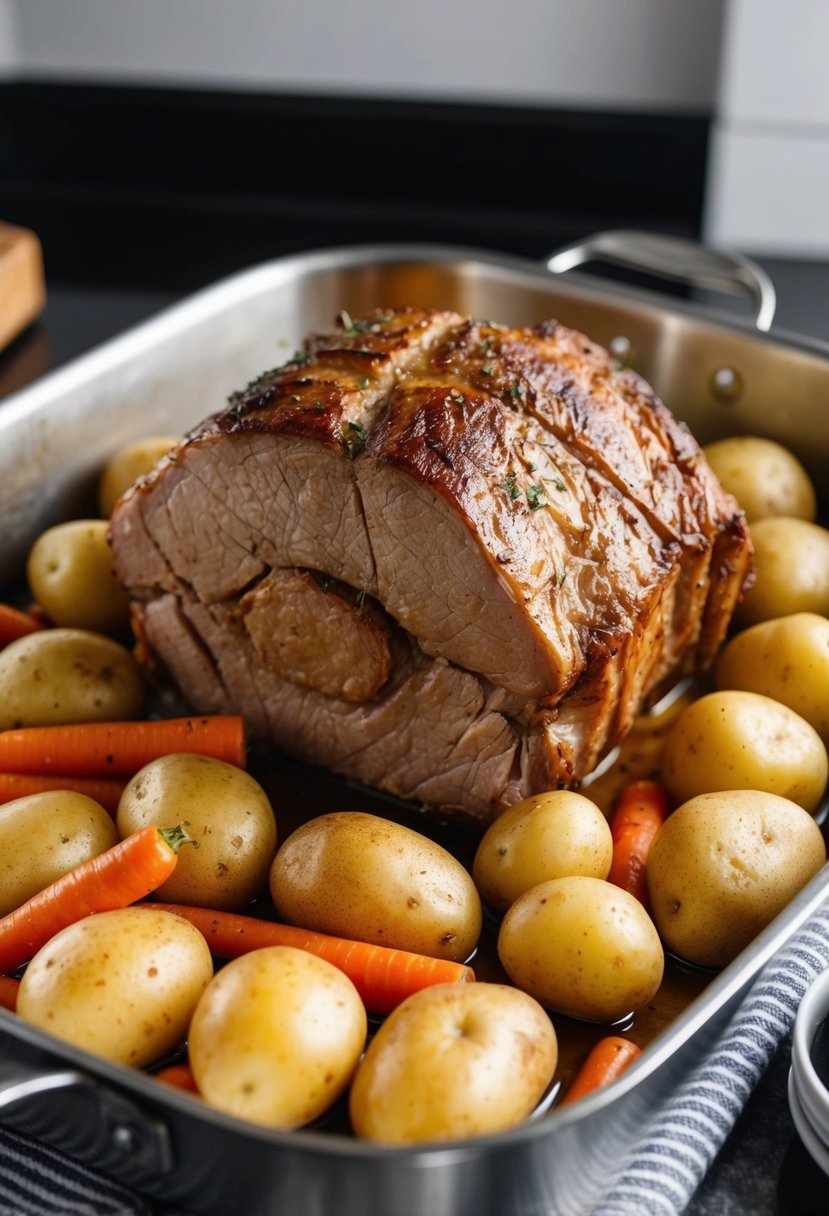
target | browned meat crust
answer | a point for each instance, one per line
(446, 558)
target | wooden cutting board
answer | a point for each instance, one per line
(22, 284)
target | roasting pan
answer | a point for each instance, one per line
(723, 374)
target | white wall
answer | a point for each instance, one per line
(769, 172)
(9, 41)
(633, 53)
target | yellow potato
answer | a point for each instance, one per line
(68, 675)
(361, 876)
(70, 574)
(735, 740)
(723, 865)
(120, 984)
(764, 477)
(583, 947)
(276, 1037)
(43, 837)
(547, 836)
(127, 465)
(786, 659)
(223, 809)
(452, 1061)
(791, 562)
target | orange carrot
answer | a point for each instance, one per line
(92, 749)
(178, 1075)
(15, 624)
(105, 790)
(116, 878)
(606, 1061)
(8, 992)
(639, 813)
(383, 976)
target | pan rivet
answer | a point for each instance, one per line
(123, 1138)
(726, 383)
(621, 348)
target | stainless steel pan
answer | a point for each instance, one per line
(723, 375)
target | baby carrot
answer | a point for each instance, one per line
(383, 977)
(105, 790)
(178, 1075)
(15, 624)
(639, 813)
(607, 1060)
(116, 878)
(8, 992)
(93, 749)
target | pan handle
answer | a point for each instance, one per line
(675, 258)
(107, 1131)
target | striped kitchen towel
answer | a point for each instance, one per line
(38, 1181)
(678, 1145)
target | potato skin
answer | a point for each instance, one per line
(276, 1037)
(791, 566)
(765, 478)
(786, 659)
(70, 574)
(120, 984)
(452, 1061)
(583, 947)
(546, 836)
(735, 740)
(68, 675)
(128, 464)
(223, 809)
(43, 837)
(361, 876)
(723, 865)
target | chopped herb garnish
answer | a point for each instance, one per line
(559, 484)
(301, 356)
(517, 392)
(618, 365)
(561, 575)
(486, 345)
(318, 404)
(535, 497)
(458, 397)
(487, 371)
(361, 603)
(511, 486)
(364, 382)
(354, 438)
(531, 467)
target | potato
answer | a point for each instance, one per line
(43, 837)
(583, 947)
(361, 876)
(764, 477)
(791, 562)
(735, 740)
(452, 1061)
(723, 865)
(68, 675)
(223, 809)
(547, 836)
(70, 574)
(120, 984)
(127, 465)
(276, 1037)
(786, 659)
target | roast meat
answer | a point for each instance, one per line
(442, 557)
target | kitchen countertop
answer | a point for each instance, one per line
(761, 1148)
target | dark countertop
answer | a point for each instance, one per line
(744, 1179)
